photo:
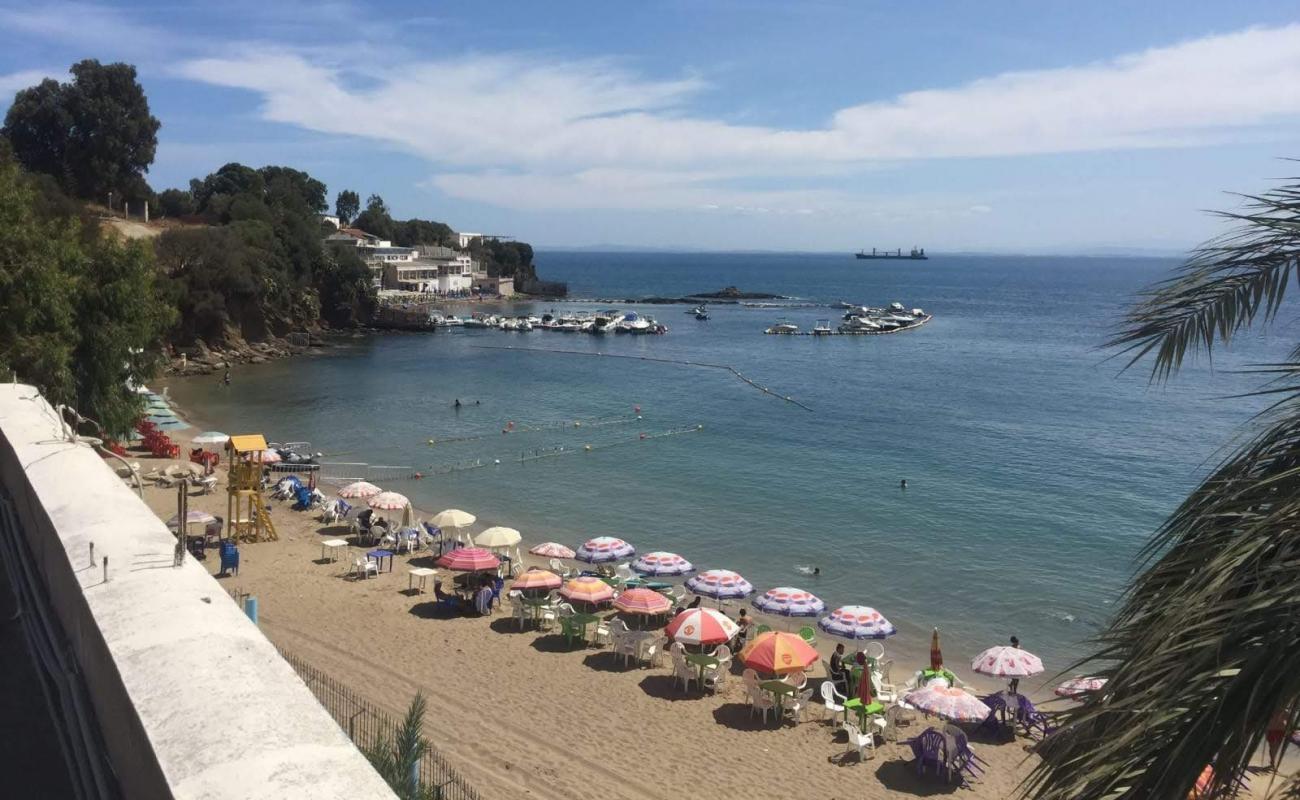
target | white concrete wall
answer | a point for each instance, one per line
(193, 701)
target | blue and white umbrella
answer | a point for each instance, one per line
(720, 584)
(789, 602)
(857, 622)
(604, 548)
(662, 564)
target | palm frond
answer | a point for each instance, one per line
(1224, 286)
(1204, 649)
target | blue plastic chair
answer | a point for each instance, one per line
(229, 557)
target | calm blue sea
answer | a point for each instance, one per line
(1035, 469)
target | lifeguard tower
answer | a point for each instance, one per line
(246, 517)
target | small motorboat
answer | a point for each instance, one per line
(701, 315)
(700, 309)
(822, 328)
(784, 327)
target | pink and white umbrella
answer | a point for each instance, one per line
(604, 548)
(701, 626)
(643, 601)
(948, 702)
(719, 584)
(389, 501)
(1007, 662)
(660, 563)
(267, 456)
(789, 602)
(359, 490)
(551, 550)
(857, 622)
(1078, 686)
(469, 559)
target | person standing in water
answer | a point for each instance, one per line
(902, 484)
(226, 379)
(457, 403)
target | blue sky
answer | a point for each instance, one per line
(1026, 127)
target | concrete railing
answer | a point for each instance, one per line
(191, 699)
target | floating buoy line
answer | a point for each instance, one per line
(511, 427)
(679, 362)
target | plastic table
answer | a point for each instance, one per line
(703, 661)
(380, 555)
(422, 573)
(779, 690)
(332, 546)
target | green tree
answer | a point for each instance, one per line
(376, 219)
(397, 757)
(176, 203)
(1206, 646)
(414, 232)
(346, 206)
(95, 133)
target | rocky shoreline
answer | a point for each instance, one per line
(202, 359)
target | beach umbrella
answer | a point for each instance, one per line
(936, 655)
(857, 622)
(1007, 662)
(701, 626)
(1078, 686)
(719, 584)
(551, 550)
(191, 518)
(948, 702)
(469, 559)
(497, 537)
(211, 437)
(537, 579)
(388, 501)
(789, 602)
(360, 490)
(587, 589)
(604, 548)
(661, 563)
(453, 518)
(267, 456)
(643, 601)
(778, 652)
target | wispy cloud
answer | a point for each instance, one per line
(512, 130)
(16, 81)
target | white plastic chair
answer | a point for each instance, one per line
(797, 706)
(626, 646)
(362, 567)
(652, 650)
(832, 700)
(624, 573)
(859, 741)
(682, 670)
(560, 569)
(885, 693)
(517, 609)
(760, 700)
(715, 677)
(750, 677)
(797, 679)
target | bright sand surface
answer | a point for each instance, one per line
(518, 713)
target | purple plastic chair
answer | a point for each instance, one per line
(963, 757)
(929, 749)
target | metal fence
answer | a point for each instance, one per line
(348, 471)
(366, 725)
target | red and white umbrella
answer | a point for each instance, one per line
(359, 491)
(389, 501)
(604, 548)
(551, 550)
(701, 626)
(790, 602)
(661, 563)
(948, 702)
(1007, 662)
(537, 579)
(469, 559)
(643, 601)
(1078, 686)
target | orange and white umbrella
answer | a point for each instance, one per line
(1007, 662)
(551, 550)
(643, 601)
(778, 652)
(359, 490)
(389, 501)
(701, 626)
(587, 589)
(537, 579)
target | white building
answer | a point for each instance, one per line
(463, 239)
(439, 270)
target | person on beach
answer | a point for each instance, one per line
(694, 603)
(743, 622)
(226, 380)
(839, 673)
(1276, 734)
(1014, 686)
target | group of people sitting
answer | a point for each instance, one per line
(486, 589)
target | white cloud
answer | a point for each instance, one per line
(17, 81)
(524, 131)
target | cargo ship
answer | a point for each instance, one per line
(916, 254)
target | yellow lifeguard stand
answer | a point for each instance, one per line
(246, 517)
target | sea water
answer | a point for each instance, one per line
(1035, 469)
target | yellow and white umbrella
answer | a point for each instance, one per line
(497, 537)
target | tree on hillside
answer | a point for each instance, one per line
(346, 206)
(1206, 647)
(176, 203)
(415, 232)
(94, 134)
(376, 219)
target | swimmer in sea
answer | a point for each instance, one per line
(902, 484)
(817, 570)
(457, 403)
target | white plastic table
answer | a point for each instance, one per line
(330, 548)
(422, 573)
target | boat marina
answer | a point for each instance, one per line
(860, 321)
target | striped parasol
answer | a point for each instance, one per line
(857, 622)
(1078, 686)
(719, 584)
(643, 601)
(537, 579)
(389, 501)
(587, 589)
(778, 652)
(469, 559)
(948, 702)
(360, 490)
(701, 626)
(936, 655)
(604, 548)
(1007, 662)
(551, 550)
(790, 602)
(660, 563)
